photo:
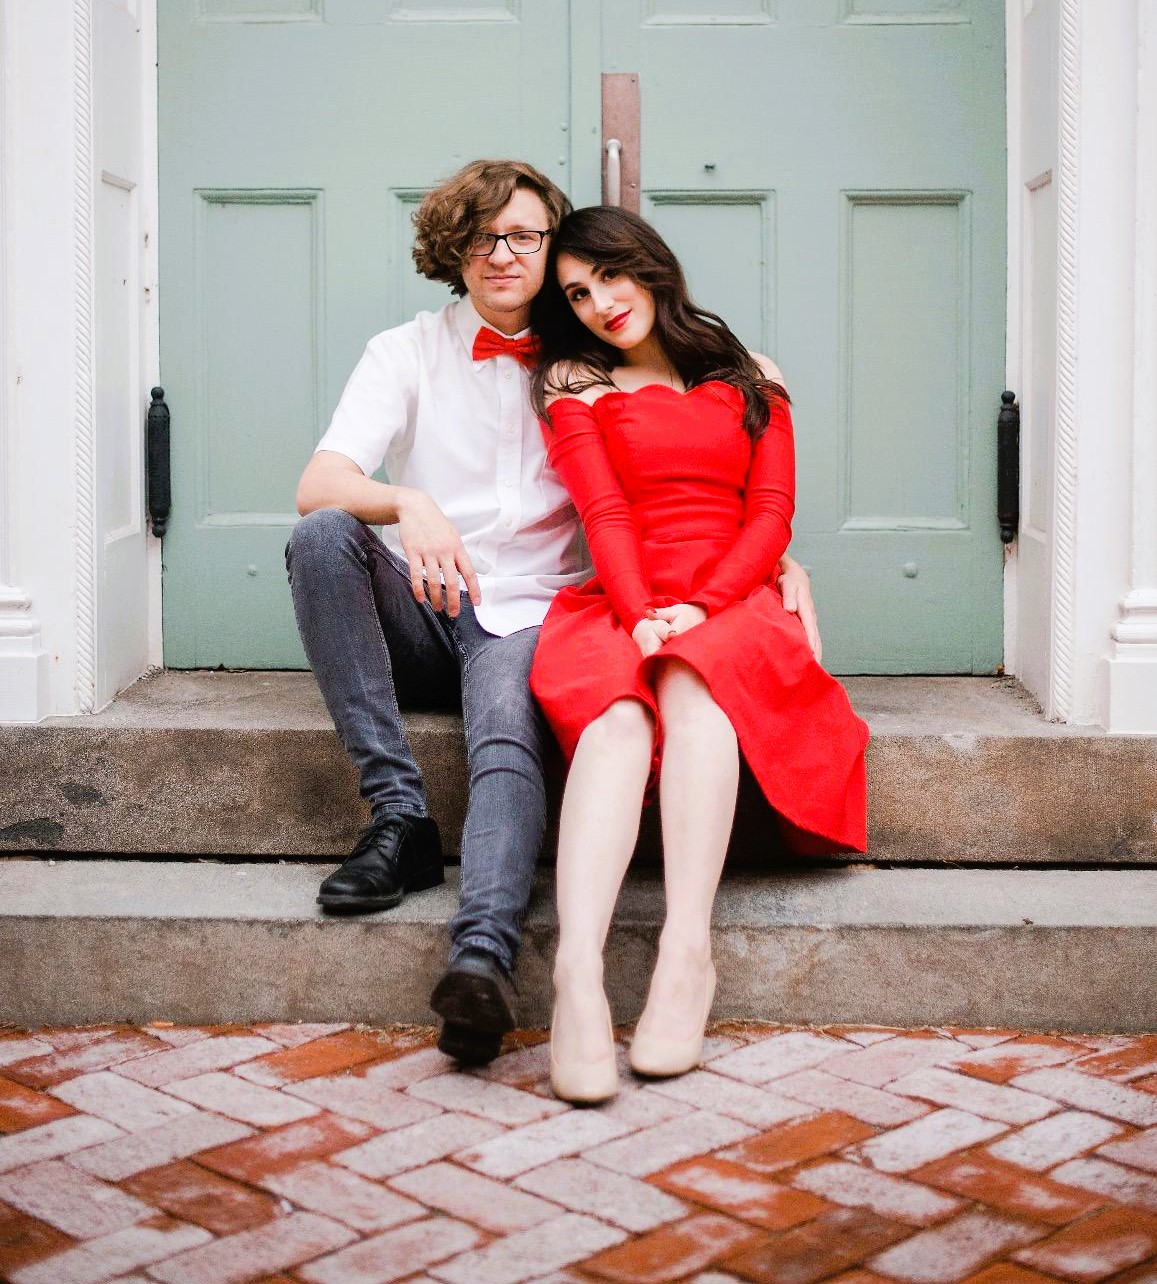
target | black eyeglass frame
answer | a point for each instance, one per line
(505, 236)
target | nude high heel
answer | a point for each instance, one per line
(585, 1083)
(658, 1057)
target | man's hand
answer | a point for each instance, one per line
(797, 597)
(682, 617)
(650, 634)
(433, 546)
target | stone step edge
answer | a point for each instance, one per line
(1032, 949)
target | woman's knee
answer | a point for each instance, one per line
(626, 722)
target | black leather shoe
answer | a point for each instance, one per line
(471, 1047)
(476, 1000)
(395, 855)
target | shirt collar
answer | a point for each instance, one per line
(468, 323)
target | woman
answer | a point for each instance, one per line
(675, 443)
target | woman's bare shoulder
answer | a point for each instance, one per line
(769, 369)
(573, 379)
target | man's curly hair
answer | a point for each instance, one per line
(464, 204)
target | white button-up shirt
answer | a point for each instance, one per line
(463, 431)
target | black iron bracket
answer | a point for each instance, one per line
(1008, 467)
(157, 455)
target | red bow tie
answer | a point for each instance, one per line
(489, 343)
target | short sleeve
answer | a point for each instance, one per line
(379, 403)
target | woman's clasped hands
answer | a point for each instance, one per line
(660, 624)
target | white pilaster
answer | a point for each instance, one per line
(24, 663)
(1129, 691)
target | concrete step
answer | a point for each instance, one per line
(961, 771)
(204, 942)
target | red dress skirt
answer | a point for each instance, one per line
(679, 505)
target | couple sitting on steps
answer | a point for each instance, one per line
(572, 380)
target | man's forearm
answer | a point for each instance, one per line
(373, 502)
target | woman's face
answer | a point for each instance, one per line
(612, 305)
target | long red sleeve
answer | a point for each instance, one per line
(577, 452)
(769, 503)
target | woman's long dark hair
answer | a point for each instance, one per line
(698, 344)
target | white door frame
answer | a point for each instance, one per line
(1081, 614)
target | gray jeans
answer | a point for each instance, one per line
(374, 651)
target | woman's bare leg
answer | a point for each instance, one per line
(697, 791)
(599, 824)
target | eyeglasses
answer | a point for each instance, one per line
(483, 244)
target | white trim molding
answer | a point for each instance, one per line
(84, 420)
(1130, 670)
(1064, 527)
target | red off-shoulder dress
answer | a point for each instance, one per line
(679, 506)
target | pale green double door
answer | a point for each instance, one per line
(831, 172)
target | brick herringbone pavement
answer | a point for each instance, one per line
(331, 1155)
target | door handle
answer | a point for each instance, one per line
(157, 454)
(1008, 467)
(614, 172)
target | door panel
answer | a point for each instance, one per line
(296, 140)
(832, 174)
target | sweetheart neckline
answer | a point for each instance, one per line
(630, 392)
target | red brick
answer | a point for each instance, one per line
(280, 1148)
(420, 1143)
(471, 1095)
(363, 1097)
(1009, 1273)
(25, 1239)
(736, 1190)
(52, 1140)
(673, 1252)
(759, 1107)
(1148, 1085)
(122, 1102)
(22, 1107)
(177, 1139)
(1053, 1140)
(98, 1054)
(1138, 1151)
(1101, 1096)
(792, 1143)
(883, 1062)
(1005, 1186)
(393, 1255)
(292, 1035)
(988, 1100)
(470, 1197)
(70, 1200)
(1095, 1248)
(99, 1260)
(218, 1053)
(229, 1095)
(768, 1059)
(1004, 1062)
(839, 1239)
(1134, 1061)
(869, 1105)
(955, 1249)
(14, 1048)
(1123, 1185)
(196, 1195)
(335, 1192)
(323, 1056)
(855, 1186)
(942, 1133)
(509, 1153)
(612, 1197)
(240, 1258)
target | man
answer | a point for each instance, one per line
(442, 401)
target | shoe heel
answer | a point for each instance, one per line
(431, 876)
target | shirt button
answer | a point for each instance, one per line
(507, 523)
